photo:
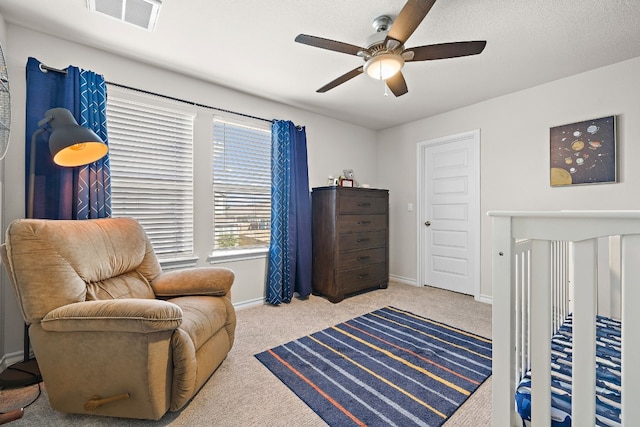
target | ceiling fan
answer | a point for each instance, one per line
(385, 54)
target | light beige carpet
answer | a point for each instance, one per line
(242, 392)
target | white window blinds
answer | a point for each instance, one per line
(151, 157)
(241, 183)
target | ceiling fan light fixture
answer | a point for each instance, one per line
(383, 66)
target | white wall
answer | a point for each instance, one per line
(332, 145)
(515, 155)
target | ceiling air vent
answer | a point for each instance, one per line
(141, 13)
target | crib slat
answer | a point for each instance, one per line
(564, 262)
(523, 319)
(541, 333)
(615, 276)
(604, 282)
(584, 263)
(630, 322)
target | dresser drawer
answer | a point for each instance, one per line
(362, 240)
(348, 260)
(362, 204)
(361, 278)
(356, 223)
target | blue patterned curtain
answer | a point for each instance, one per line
(290, 248)
(67, 193)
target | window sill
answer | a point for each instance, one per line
(177, 263)
(237, 255)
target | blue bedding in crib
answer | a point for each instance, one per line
(607, 376)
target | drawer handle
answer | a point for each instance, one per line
(364, 204)
(364, 222)
(363, 258)
(363, 240)
(362, 276)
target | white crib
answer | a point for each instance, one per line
(536, 257)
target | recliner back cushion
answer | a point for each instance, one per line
(58, 262)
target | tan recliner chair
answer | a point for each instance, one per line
(113, 335)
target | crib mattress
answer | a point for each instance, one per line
(607, 375)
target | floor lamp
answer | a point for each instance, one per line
(70, 145)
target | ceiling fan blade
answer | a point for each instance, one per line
(408, 19)
(397, 84)
(343, 78)
(445, 50)
(328, 44)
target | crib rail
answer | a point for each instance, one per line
(531, 299)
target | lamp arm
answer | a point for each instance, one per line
(47, 118)
(32, 172)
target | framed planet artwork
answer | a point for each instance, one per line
(584, 152)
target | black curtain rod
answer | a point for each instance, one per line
(189, 102)
(46, 68)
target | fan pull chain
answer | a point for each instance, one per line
(386, 92)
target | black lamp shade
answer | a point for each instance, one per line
(75, 146)
(71, 144)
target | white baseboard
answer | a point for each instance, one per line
(485, 298)
(248, 304)
(404, 280)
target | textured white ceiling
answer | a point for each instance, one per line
(528, 43)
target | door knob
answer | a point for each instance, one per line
(427, 223)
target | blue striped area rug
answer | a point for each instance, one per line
(389, 367)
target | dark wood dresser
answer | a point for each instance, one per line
(350, 240)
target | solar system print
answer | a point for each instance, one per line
(584, 152)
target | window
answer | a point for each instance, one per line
(241, 184)
(151, 157)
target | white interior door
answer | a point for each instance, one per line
(449, 213)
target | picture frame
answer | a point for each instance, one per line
(346, 182)
(583, 153)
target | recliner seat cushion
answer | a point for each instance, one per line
(202, 317)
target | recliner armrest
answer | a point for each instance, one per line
(208, 281)
(117, 315)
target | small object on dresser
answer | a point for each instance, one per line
(346, 182)
(348, 174)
